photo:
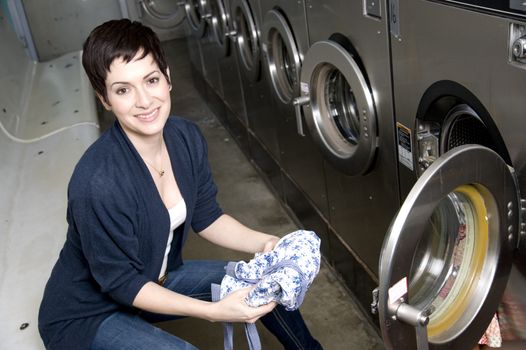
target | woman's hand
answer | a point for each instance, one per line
(233, 308)
(270, 244)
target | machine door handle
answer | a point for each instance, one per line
(298, 102)
(232, 34)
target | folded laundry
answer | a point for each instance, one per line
(282, 275)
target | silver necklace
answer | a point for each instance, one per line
(160, 172)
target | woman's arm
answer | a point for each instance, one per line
(229, 233)
(232, 308)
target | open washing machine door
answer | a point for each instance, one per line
(282, 56)
(247, 38)
(339, 107)
(446, 258)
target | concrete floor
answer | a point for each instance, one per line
(329, 310)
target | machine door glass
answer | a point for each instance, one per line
(196, 17)
(447, 255)
(339, 108)
(247, 40)
(220, 25)
(283, 59)
(163, 13)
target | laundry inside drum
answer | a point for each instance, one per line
(448, 266)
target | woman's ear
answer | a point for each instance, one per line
(102, 100)
(169, 78)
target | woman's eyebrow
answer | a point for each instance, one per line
(149, 74)
(144, 78)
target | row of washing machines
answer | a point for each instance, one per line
(393, 129)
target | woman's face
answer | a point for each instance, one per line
(138, 95)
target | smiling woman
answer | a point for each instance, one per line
(132, 200)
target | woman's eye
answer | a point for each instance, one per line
(153, 80)
(121, 91)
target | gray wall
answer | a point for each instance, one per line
(61, 26)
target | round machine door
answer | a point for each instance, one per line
(447, 255)
(163, 14)
(247, 39)
(339, 109)
(195, 13)
(282, 56)
(220, 25)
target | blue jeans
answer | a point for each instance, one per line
(123, 330)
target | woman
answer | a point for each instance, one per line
(132, 199)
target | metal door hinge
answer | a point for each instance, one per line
(394, 20)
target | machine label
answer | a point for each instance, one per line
(398, 291)
(405, 148)
(304, 87)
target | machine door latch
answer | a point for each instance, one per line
(428, 144)
(374, 303)
(517, 45)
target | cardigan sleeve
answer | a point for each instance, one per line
(105, 220)
(207, 209)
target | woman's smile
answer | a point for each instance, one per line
(149, 116)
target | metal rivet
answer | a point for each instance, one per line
(510, 205)
(510, 229)
(510, 214)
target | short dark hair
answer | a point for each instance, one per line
(114, 39)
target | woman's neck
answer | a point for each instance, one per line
(150, 148)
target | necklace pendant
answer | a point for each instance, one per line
(161, 173)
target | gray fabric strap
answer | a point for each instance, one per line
(251, 331)
(252, 336)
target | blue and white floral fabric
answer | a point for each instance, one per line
(283, 275)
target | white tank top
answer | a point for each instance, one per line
(177, 217)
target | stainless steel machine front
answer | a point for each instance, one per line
(247, 21)
(346, 88)
(223, 40)
(165, 17)
(455, 252)
(285, 41)
(195, 29)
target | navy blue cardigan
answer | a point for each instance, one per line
(118, 229)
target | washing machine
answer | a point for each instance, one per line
(346, 93)
(235, 117)
(262, 133)
(285, 40)
(211, 53)
(165, 17)
(459, 77)
(195, 29)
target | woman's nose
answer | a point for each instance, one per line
(143, 98)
